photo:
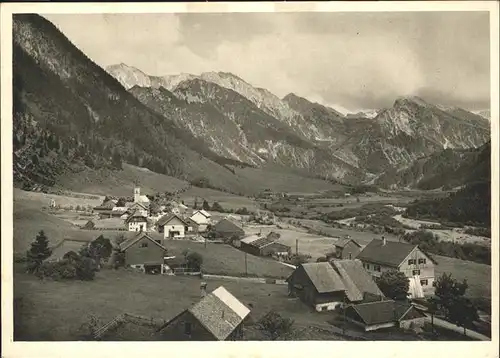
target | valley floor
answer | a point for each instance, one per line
(41, 306)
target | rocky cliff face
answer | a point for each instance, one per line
(253, 125)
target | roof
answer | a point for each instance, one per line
(323, 277)
(219, 312)
(344, 242)
(142, 205)
(144, 198)
(393, 253)
(356, 280)
(136, 215)
(250, 239)
(106, 205)
(202, 212)
(381, 311)
(168, 217)
(227, 225)
(129, 242)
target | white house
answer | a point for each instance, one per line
(137, 222)
(201, 217)
(172, 226)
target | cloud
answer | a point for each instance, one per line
(354, 60)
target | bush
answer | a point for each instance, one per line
(242, 211)
(60, 270)
(274, 326)
(194, 260)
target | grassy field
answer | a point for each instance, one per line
(227, 201)
(223, 259)
(478, 276)
(48, 310)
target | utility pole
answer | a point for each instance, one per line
(246, 267)
(296, 246)
(343, 326)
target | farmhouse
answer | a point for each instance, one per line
(359, 284)
(318, 285)
(172, 226)
(226, 228)
(264, 246)
(218, 316)
(139, 207)
(382, 255)
(105, 207)
(137, 222)
(384, 314)
(347, 249)
(144, 253)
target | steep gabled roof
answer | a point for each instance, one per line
(227, 225)
(136, 215)
(356, 280)
(129, 242)
(219, 312)
(203, 212)
(392, 254)
(165, 219)
(323, 277)
(344, 242)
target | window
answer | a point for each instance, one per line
(422, 261)
(415, 272)
(376, 268)
(144, 244)
(424, 282)
(187, 328)
(433, 283)
(412, 262)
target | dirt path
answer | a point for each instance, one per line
(455, 328)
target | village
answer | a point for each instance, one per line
(342, 289)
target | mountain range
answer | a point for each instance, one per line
(69, 113)
(314, 137)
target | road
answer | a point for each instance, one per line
(445, 324)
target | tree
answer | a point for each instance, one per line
(194, 260)
(206, 205)
(121, 202)
(274, 326)
(217, 207)
(450, 296)
(97, 250)
(154, 208)
(38, 252)
(394, 284)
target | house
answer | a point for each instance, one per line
(178, 208)
(113, 213)
(106, 206)
(137, 221)
(347, 248)
(382, 255)
(359, 284)
(384, 314)
(264, 245)
(226, 229)
(218, 316)
(202, 218)
(172, 226)
(193, 227)
(318, 285)
(143, 252)
(140, 207)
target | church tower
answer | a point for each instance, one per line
(137, 194)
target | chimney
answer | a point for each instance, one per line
(383, 241)
(203, 288)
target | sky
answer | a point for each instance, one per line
(350, 61)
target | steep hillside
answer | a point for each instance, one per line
(69, 114)
(444, 169)
(470, 205)
(235, 128)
